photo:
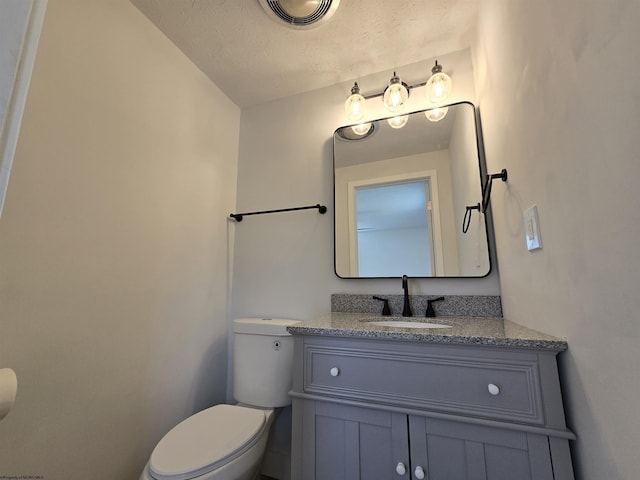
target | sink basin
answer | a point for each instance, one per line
(401, 324)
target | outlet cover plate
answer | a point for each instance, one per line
(532, 228)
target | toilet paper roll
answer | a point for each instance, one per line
(8, 389)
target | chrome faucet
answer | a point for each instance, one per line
(406, 311)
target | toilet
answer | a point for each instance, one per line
(227, 442)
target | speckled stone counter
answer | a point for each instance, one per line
(464, 330)
(451, 306)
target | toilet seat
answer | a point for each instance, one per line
(206, 441)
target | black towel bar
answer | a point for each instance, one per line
(238, 216)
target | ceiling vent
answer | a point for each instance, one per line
(300, 14)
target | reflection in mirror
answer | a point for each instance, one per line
(401, 197)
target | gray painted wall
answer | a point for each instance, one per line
(559, 93)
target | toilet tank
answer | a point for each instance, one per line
(262, 361)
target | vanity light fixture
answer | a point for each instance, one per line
(357, 132)
(362, 129)
(398, 122)
(436, 114)
(354, 106)
(438, 85)
(396, 94)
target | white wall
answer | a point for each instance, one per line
(113, 246)
(558, 86)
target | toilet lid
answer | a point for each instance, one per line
(205, 441)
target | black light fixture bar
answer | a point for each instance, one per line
(408, 87)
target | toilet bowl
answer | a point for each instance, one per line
(227, 442)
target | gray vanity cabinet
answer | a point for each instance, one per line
(404, 410)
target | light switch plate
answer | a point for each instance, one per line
(532, 228)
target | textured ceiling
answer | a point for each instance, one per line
(255, 59)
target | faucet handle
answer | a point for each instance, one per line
(386, 311)
(430, 311)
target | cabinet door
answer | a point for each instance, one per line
(350, 443)
(448, 450)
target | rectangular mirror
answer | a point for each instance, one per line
(401, 196)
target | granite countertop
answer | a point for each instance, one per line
(464, 330)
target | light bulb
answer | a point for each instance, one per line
(436, 114)
(354, 106)
(361, 129)
(395, 95)
(439, 85)
(398, 122)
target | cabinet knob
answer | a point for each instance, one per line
(401, 469)
(334, 372)
(493, 389)
(419, 473)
